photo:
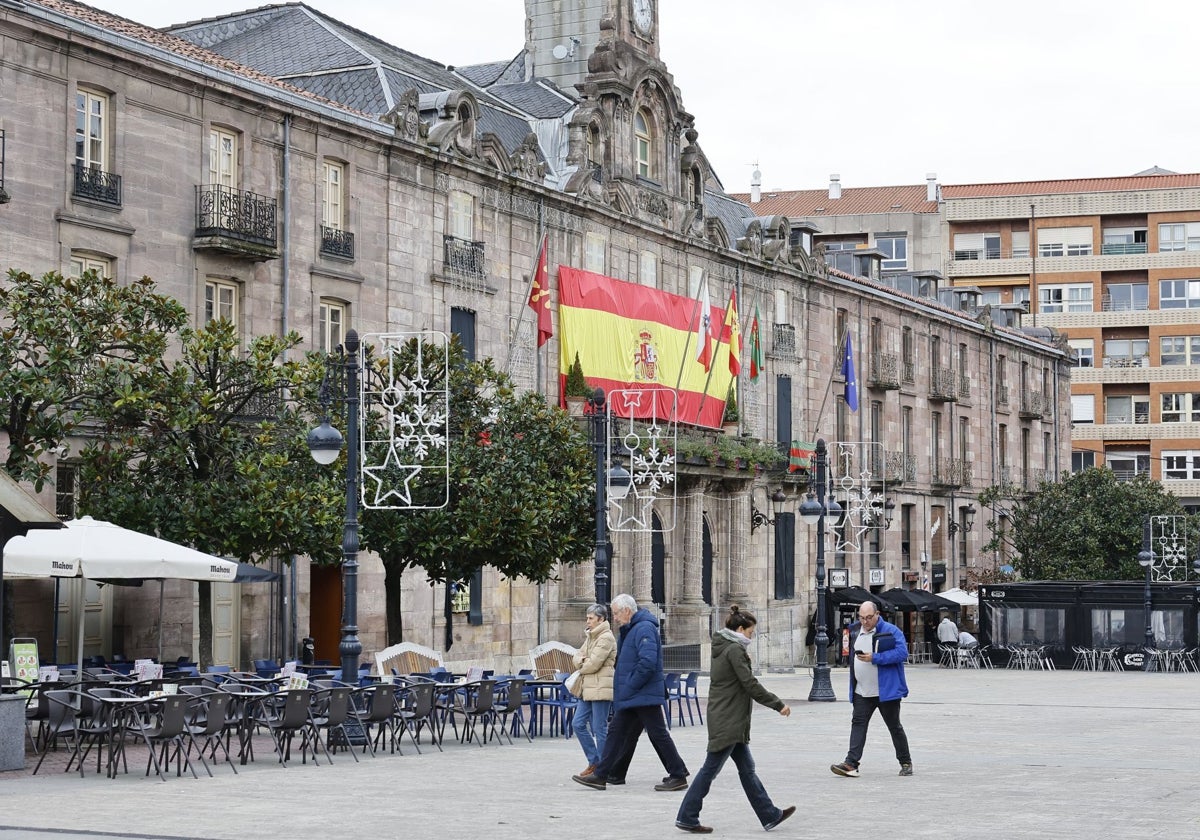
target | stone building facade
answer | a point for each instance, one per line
(294, 189)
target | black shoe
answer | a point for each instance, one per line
(613, 781)
(672, 783)
(593, 781)
(787, 812)
(905, 769)
(694, 829)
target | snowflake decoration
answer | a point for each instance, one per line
(411, 392)
(1169, 543)
(649, 452)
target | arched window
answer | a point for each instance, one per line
(643, 144)
(593, 144)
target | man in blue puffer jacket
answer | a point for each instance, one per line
(876, 682)
(639, 689)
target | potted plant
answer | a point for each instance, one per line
(729, 421)
(576, 391)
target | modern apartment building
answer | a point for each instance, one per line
(1114, 264)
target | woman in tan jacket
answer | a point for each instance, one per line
(595, 661)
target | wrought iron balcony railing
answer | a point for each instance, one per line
(885, 371)
(463, 257)
(964, 387)
(1033, 405)
(1002, 394)
(783, 341)
(337, 243)
(235, 214)
(946, 472)
(97, 185)
(892, 468)
(908, 372)
(943, 384)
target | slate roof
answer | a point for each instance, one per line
(732, 212)
(320, 54)
(854, 201)
(1074, 185)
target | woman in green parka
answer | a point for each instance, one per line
(733, 691)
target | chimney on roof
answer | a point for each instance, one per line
(835, 186)
(933, 192)
(755, 186)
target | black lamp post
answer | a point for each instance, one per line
(324, 443)
(618, 478)
(813, 512)
(1145, 559)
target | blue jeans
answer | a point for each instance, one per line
(693, 800)
(591, 727)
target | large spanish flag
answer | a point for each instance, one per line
(635, 338)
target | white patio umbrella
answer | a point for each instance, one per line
(95, 549)
(960, 596)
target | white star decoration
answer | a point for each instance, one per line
(860, 493)
(648, 450)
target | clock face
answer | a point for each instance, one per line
(643, 16)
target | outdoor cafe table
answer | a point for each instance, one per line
(125, 716)
(247, 702)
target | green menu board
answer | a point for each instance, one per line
(23, 659)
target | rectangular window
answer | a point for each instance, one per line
(91, 117)
(1085, 351)
(1020, 243)
(1181, 465)
(595, 252)
(222, 158)
(1082, 460)
(977, 246)
(462, 215)
(1076, 297)
(332, 324)
(695, 278)
(1127, 410)
(1179, 294)
(1126, 352)
(82, 262)
(1179, 350)
(66, 490)
(332, 198)
(1180, 408)
(1124, 240)
(1127, 465)
(220, 301)
(1068, 242)
(1083, 408)
(1179, 237)
(648, 269)
(1127, 297)
(895, 249)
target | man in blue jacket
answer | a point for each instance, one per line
(876, 682)
(639, 689)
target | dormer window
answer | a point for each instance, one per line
(644, 143)
(593, 144)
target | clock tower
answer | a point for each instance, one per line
(561, 35)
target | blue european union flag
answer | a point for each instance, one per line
(848, 373)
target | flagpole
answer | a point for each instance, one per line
(829, 385)
(687, 343)
(708, 379)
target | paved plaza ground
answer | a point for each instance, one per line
(997, 754)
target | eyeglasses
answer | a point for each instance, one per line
(865, 617)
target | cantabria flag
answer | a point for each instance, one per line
(632, 337)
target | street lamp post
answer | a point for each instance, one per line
(324, 443)
(1145, 559)
(813, 512)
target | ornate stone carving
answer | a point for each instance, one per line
(526, 161)
(751, 243)
(405, 117)
(454, 129)
(654, 204)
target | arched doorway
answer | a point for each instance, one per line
(706, 569)
(658, 562)
(325, 611)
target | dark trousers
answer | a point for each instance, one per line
(623, 731)
(889, 710)
(693, 801)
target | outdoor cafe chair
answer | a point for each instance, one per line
(511, 693)
(674, 695)
(477, 707)
(330, 711)
(375, 710)
(208, 715)
(61, 716)
(172, 738)
(421, 712)
(289, 715)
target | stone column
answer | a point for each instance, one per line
(640, 546)
(693, 548)
(739, 545)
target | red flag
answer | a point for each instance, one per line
(732, 333)
(756, 354)
(539, 296)
(704, 330)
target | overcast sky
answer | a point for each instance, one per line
(878, 91)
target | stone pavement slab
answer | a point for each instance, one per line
(1002, 755)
